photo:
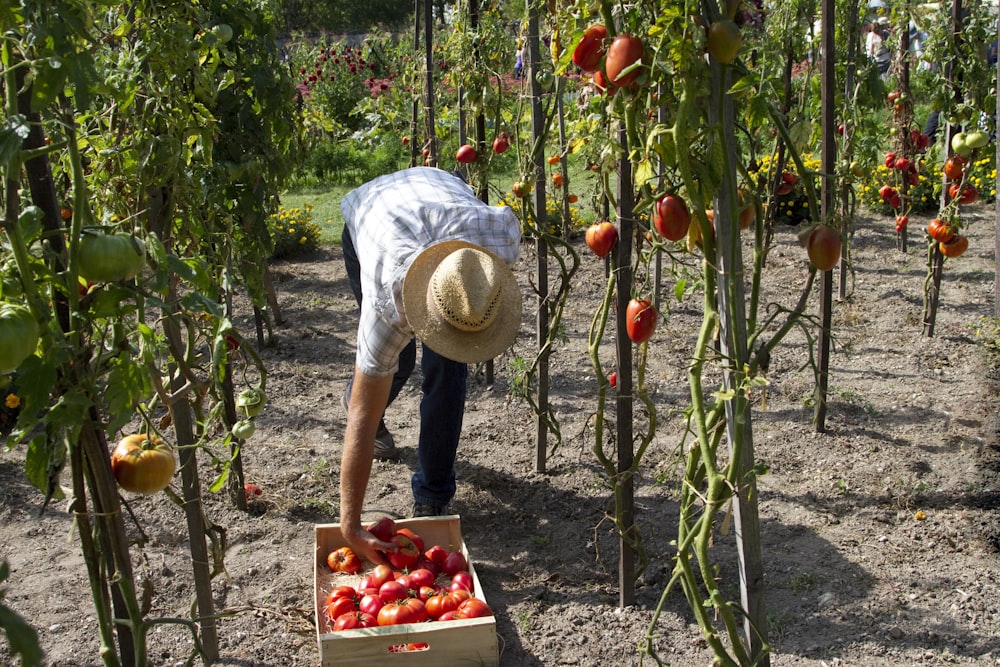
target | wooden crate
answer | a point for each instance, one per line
(464, 642)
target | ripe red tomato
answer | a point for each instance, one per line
(370, 604)
(625, 52)
(640, 320)
(343, 559)
(466, 154)
(406, 610)
(956, 247)
(473, 608)
(940, 231)
(601, 238)
(954, 167)
(901, 222)
(501, 143)
(671, 217)
(462, 581)
(338, 606)
(443, 602)
(902, 164)
(557, 179)
(417, 540)
(393, 590)
(406, 553)
(354, 620)
(886, 192)
(66, 213)
(590, 49)
(613, 378)
(436, 554)
(823, 247)
(379, 575)
(383, 529)
(967, 194)
(724, 41)
(420, 578)
(453, 563)
(252, 491)
(142, 463)
(890, 159)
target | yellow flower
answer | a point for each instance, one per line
(12, 401)
(920, 515)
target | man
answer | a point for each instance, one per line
(425, 259)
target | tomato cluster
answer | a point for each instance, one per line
(432, 584)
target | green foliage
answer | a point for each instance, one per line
(297, 16)
(293, 232)
(347, 163)
(23, 638)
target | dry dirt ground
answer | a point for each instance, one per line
(853, 578)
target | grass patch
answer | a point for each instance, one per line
(325, 209)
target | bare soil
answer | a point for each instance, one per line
(853, 577)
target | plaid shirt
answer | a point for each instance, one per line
(391, 220)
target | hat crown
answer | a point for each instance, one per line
(466, 289)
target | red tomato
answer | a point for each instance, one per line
(954, 167)
(625, 52)
(449, 616)
(640, 320)
(454, 563)
(424, 564)
(823, 247)
(425, 592)
(393, 590)
(956, 247)
(343, 559)
(601, 238)
(590, 49)
(406, 610)
(671, 217)
(379, 575)
(890, 159)
(370, 604)
(501, 143)
(442, 603)
(902, 164)
(886, 192)
(473, 608)
(417, 540)
(338, 606)
(436, 554)
(940, 231)
(421, 577)
(466, 154)
(520, 189)
(967, 194)
(251, 491)
(462, 581)
(383, 529)
(557, 179)
(613, 378)
(142, 463)
(724, 41)
(406, 553)
(354, 620)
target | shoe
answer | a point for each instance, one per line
(420, 509)
(385, 444)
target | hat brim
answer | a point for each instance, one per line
(434, 332)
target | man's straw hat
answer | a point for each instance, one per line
(462, 301)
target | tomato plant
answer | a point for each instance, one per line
(640, 320)
(671, 217)
(142, 463)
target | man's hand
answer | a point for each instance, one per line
(367, 546)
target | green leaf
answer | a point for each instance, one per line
(12, 135)
(49, 81)
(22, 638)
(679, 287)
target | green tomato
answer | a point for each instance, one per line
(976, 139)
(244, 429)
(107, 258)
(18, 336)
(960, 146)
(251, 401)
